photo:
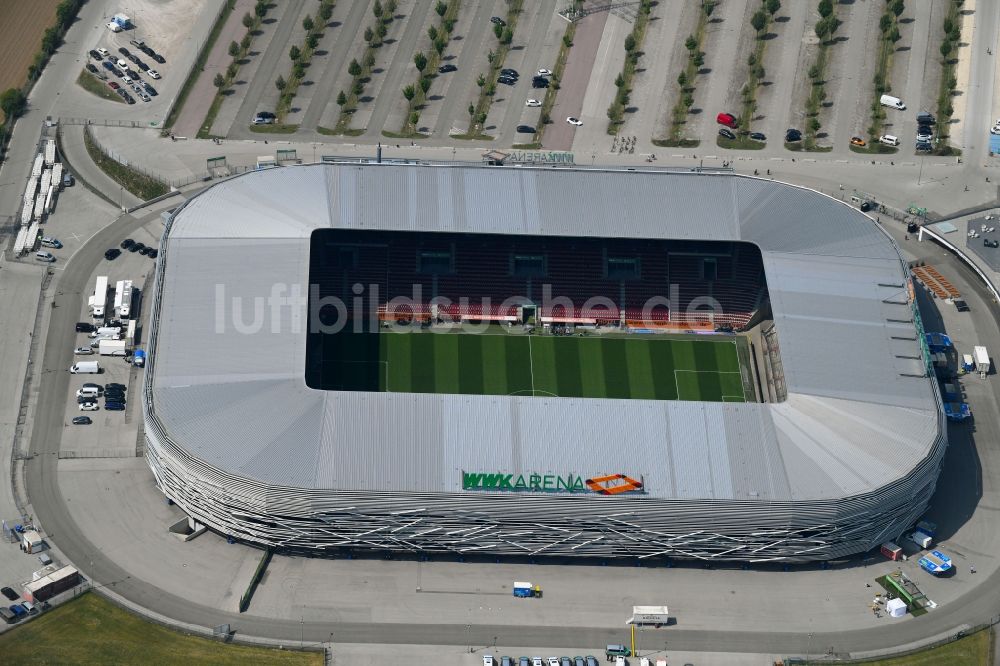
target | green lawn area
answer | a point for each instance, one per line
(974, 650)
(90, 630)
(651, 367)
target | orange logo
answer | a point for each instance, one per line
(613, 484)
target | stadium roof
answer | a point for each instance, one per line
(860, 411)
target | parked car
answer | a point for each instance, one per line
(888, 140)
(153, 74)
(82, 420)
(127, 243)
(149, 90)
(507, 80)
(88, 407)
(141, 65)
(10, 593)
(727, 119)
(126, 79)
(758, 136)
(157, 57)
(506, 71)
(138, 43)
(114, 406)
(144, 97)
(83, 351)
(533, 102)
(18, 610)
(152, 252)
(113, 85)
(136, 247)
(95, 55)
(793, 135)
(925, 118)
(92, 68)
(540, 83)
(923, 135)
(122, 63)
(444, 69)
(525, 129)
(84, 327)
(113, 385)
(264, 118)
(858, 141)
(108, 66)
(496, 20)
(124, 51)
(129, 99)
(576, 122)
(112, 254)
(544, 72)
(726, 133)
(103, 51)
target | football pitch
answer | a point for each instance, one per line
(650, 367)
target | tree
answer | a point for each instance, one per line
(822, 29)
(884, 23)
(507, 37)
(245, 42)
(377, 10)
(280, 83)
(325, 12)
(498, 30)
(219, 81)
(369, 34)
(772, 6)
(432, 32)
(945, 49)
(354, 69)
(825, 8)
(370, 60)
(629, 43)
(688, 100)
(341, 99)
(481, 81)
(260, 9)
(441, 7)
(814, 72)
(620, 80)
(294, 53)
(299, 69)
(814, 124)
(691, 43)
(833, 23)
(312, 41)
(682, 79)
(490, 88)
(247, 20)
(231, 71)
(425, 84)
(359, 88)
(307, 23)
(709, 7)
(491, 56)
(894, 34)
(758, 20)
(699, 59)
(448, 25)
(480, 118)
(234, 49)
(414, 117)
(472, 109)
(420, 60)
(381, 31)
(439, 44)
(896, 7)
(409, 92)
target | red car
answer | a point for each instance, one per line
(113, 85)
(727, 119)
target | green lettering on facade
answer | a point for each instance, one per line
(533, 481)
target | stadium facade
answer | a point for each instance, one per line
(236, 438)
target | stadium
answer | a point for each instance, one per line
(504, 361)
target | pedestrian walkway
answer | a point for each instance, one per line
(199, 99)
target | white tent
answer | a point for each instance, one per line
(896, 608)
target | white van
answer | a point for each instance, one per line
(88, 392)
(85, 368)
(44, 256)
(893, 102)
(48, 241)
(889, 140)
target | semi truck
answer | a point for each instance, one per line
(654, 615)
(123, 304)
(100, 298)
(982, 357)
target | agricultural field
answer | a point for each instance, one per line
(21, 28)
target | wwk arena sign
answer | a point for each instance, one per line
(609, 484)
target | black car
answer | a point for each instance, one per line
(506, 80)
(793, 135)
(525, 129)
(136, 247)
(758, 136)
(151, 253)
(990, 243)
(726, 133)
(115, 396)
(144, 251)
(119, 73)
(510, 72)
(81, 420)
(157, 57)
(444, 69)
(127, 243)
(150, 90)
(132, 74)
(95, 55)
(10, 594)
(141, 65)
(961, 305)
(91, 68)
(114, 385)
(124, 51)
(114, 406)
(926, 119)
(496, 20)
(133, 57)
(540, 83)
(84, 327)
(112, 254)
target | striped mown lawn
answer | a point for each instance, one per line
(649, 367)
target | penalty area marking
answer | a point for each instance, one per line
(677, 384)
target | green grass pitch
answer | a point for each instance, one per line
(652, 367)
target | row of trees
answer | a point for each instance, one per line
(439, 36)
(760, 21)
(686, 80)
(360, 71)
(623, 82)
(479, 110)
(952, 36)
(300, 57)
(826, 26)
(237, 51)
(889, 27)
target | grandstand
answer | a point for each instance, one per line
(397, 434)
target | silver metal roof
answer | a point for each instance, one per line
(858, 415)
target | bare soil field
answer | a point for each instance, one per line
(21, 28)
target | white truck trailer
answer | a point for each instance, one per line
(112, 348)
(100, 298)
(123, 299)
(654, 615)
(982, 357)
